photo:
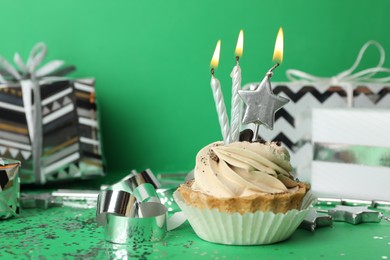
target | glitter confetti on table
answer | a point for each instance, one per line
(72, 233)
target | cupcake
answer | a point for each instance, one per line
(243, 193)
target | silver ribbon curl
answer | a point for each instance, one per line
(347, 77)
(28, 81)
(130, 211)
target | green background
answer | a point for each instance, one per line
(151, 59)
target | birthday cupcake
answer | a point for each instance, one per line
(243, 194)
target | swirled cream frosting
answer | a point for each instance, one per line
(242, 169)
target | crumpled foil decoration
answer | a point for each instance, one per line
(9, 188)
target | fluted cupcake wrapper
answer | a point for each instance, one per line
(235, 229)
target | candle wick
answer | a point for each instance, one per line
(212, 71)
(237, 59)
(270, 73)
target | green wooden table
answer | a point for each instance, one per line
(72, 233)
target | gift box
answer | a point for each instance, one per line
(47, 121)
(351, 156)
(293, 122)
(9, 188)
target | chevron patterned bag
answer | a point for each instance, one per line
(47, 121)
(293, 122)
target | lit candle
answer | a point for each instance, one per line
(278, 51)
(218, 97)
(262, 103)
(236, 85)
(278, 58)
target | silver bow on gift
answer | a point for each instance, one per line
(348, 77)
(29, 77)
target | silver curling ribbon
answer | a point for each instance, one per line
(165, 195)
(146, 193)
(137, 214)
(149, 226)
(126, 220)
(135, 179)
(117, 202)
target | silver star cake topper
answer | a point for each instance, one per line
(261, 103)
(355, 215)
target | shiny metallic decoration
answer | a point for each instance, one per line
(355, 214)
(261, 104)
(352, 202)
(61, 197)
(313, 220)
(134, 179)
(117, 202)
(148, 222)
(165, 195)
(41, 201)
(9, 188)
(131, 211)
(352, 154)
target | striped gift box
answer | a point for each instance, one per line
(70, 144)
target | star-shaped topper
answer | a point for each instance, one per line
(355, 215)
(261, 104)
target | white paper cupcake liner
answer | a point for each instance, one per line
(235, 229)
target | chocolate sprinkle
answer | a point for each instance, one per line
(213, 156)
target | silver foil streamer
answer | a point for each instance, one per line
(148, 223)
(9, 188)
(130, 210)
(134, 179)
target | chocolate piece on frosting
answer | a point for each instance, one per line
(246, 135)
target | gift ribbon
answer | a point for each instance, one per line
(29, 83)
(130, 211)
(351, 154)
(347, 77)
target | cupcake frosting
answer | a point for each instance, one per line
(242, 169)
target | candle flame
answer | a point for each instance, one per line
(215, 60)
(240, 44)
(278, 51)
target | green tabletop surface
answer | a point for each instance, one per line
(72, 233)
